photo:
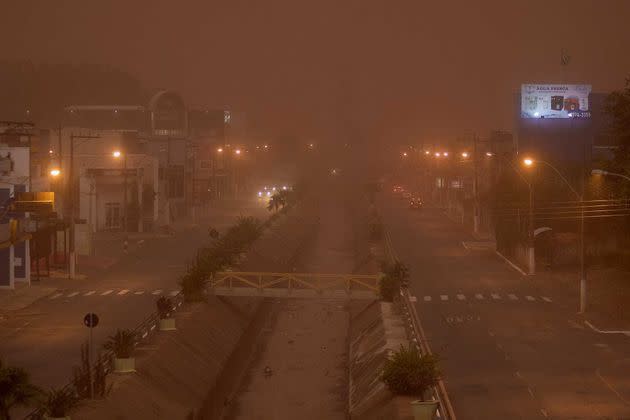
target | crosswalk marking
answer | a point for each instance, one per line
(90, 293)
(427, 298)
(444, 297)
(56, 295)
(106, 293)
(73, 294)
(174, 292)
(546, 299)
(496, 296)
(479, 296)
(530, 298)
(512, 296)
(139, 292)
(123, 292)
(157, 292)
(461, 297)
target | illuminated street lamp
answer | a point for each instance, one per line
(426, 152)
(116, 154)
(55, 172)
(237, 151)
(445, 154)
(220, 150)
(404, 154)
(580, 198)
(489, 154)
(438, 154)
(464, 155)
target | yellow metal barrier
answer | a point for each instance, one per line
(297, 285)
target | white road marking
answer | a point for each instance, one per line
(530, 298)
(139, 292)
(90, 293)
(546, 299)
(496, 296)
(174, 293)
(479, 296)
(531, 393)
(427, 298)
(123, 292)
(55, 296)
(106, 293)
(544, 413)
(157, 292)
(512, 296)
(518, 375)
(461, 297)
(73, 294)
(411, 298)
(444, 297)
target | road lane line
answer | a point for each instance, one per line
(531, 393)
(479, 296)
(512, 296)
(444, 297)
(157, 292)
(106, 292)
(544, 413)
(609, 386)
(73, 294)
(530, 298)
(55, 296)
(139, 292)
(518, 375)
(411, 298)
(546, 299)
(427, 298)
(461, 297)
(496, 296)
(174, 292)
(90, 293)
(123, 292)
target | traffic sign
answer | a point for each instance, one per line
(90, 320)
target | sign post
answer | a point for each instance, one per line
(90, 320)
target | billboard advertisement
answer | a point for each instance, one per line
(555, 101)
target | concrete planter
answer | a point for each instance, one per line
(167, 324)
(424, 410)
(124, 365)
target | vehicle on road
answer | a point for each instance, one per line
(398, 189)
(415, 203)
(406, 195)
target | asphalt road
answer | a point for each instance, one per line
(45, 337)
(512, 347)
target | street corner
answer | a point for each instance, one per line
(22, 296)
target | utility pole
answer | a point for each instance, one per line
(71, 197)
(475, 186)
(125, 212)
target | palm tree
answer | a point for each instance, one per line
(15, 390)
(276, 201)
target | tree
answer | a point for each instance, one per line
(15, 390)
(618, 108)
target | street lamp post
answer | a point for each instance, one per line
(580, 198)
(606, 173)
(117, 154)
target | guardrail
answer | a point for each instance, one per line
(142, 332)
(445, 410)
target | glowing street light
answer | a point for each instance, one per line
(464, 155)
(237, 151)
(116, 154)
(445, 154)
(528, 162)
(55, 172)
(404, 154)
(438, 154)
(489, 154)
(426, 152)
(220, 150)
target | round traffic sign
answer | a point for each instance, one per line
(90, 320)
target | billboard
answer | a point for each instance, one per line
(555, 101)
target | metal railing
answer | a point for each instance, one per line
(360, 286)
(445, 410)
(142, 332)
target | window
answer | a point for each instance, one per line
(112, 215)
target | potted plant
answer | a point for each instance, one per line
(58, 404)
(122, 344)
(165, 312)
(407, 372)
